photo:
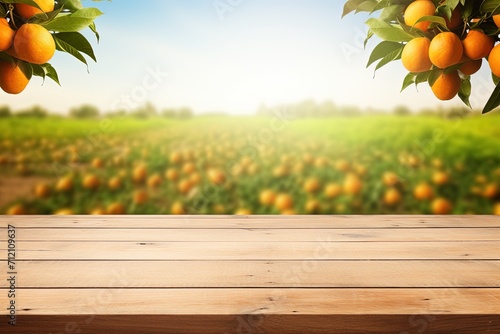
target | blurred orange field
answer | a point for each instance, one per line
(250, 165)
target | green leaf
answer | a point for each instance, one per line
(388, 32)
(72, 5)
(408, 81)
(465, 91)
(435, 21)
(433, 76)
(66, 47)
(495, 79)
(490, 6)
(395, 55)
(367, 6)
(391, 13)
(76, 21)
(94, 30)
(44, 17)
(494, 100)
(351, 6)
(3, 12)
(77, 41)
(26, 2)
(383, 49)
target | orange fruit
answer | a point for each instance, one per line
(140, 197)
(415, 56)
(496, 19)
(416, 10)
(390, 179)
(333, 190)
(267, 197)
(34, 44)
(440, 178)
(456, 19)
(243, 212)
(313, 206)
(16, 210)
(116, 209)
(64, 212)
(97, 163)
(97, 212)
(184, 186)
(65, 184)
(42, 190)
(392, 197)
(447, 86)
(6, 34)
(471, 66)
(154, 181)
(139, 174)
(312, 185)
(27, 11)
(188, 168)
(12, 78)
(172, 175)
(115, 183)
(176, 157)
(491, 191)
(477, 44)
(216, 176)
(441, 206)
(352, 185)
(178, 209)
(423, 192)
(343, 166)
(445, 50)
(494, 60)
(496, 209)
(284, 202)
(91, 182)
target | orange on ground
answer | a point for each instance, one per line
(471, 66)
(441, 206)
(415, 56)
(447, 86)
(34, 44)
(6, 34)
(12, 78)
(27, 11)
(423, 192)
(445, 50)
(477, 44)
(494, 60)
(416, 10)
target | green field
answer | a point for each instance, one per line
(250, 165)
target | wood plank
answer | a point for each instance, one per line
(256, 301)
(259, 274)
(253, 235)
(238, 222)
(321, 250)
(270, 324)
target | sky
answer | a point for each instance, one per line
(230, 56)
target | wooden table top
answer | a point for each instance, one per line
(251, 274)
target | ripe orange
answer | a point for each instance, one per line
(64, 212)
(27, 11)
(343, 166)
(333, 190)
(115, 183)
(6, 35)
(440, 178)
(140, 197)
(184, 186)
(312, 185)
(16, 210)
(423, 192)
(42, 190)
(456, 19)
(390, 179)
(284, 202)
(116, 209)
(188, 168)
(496, 209)
(352, 185)
(313, 206)
(471, 66)
(178, 209)
(91, 182)
(445, 50)
(416, 10)
(267, 197)
(12, 78)
(34, 44)
(496, 19)
(139, 174)
(415, 56)
(494, 60)
(154, 181)
(441, 206)
(172, 175)
(97, 163)
(97, 212)
(216, 176)
(176, 157)
(392, 197)
(477, 44)
(447, 86)
(491, 191)
(243, 212)
(65, 184)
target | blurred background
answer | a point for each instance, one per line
(242, 107)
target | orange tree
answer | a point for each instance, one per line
(31, 31)
(440, 42)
